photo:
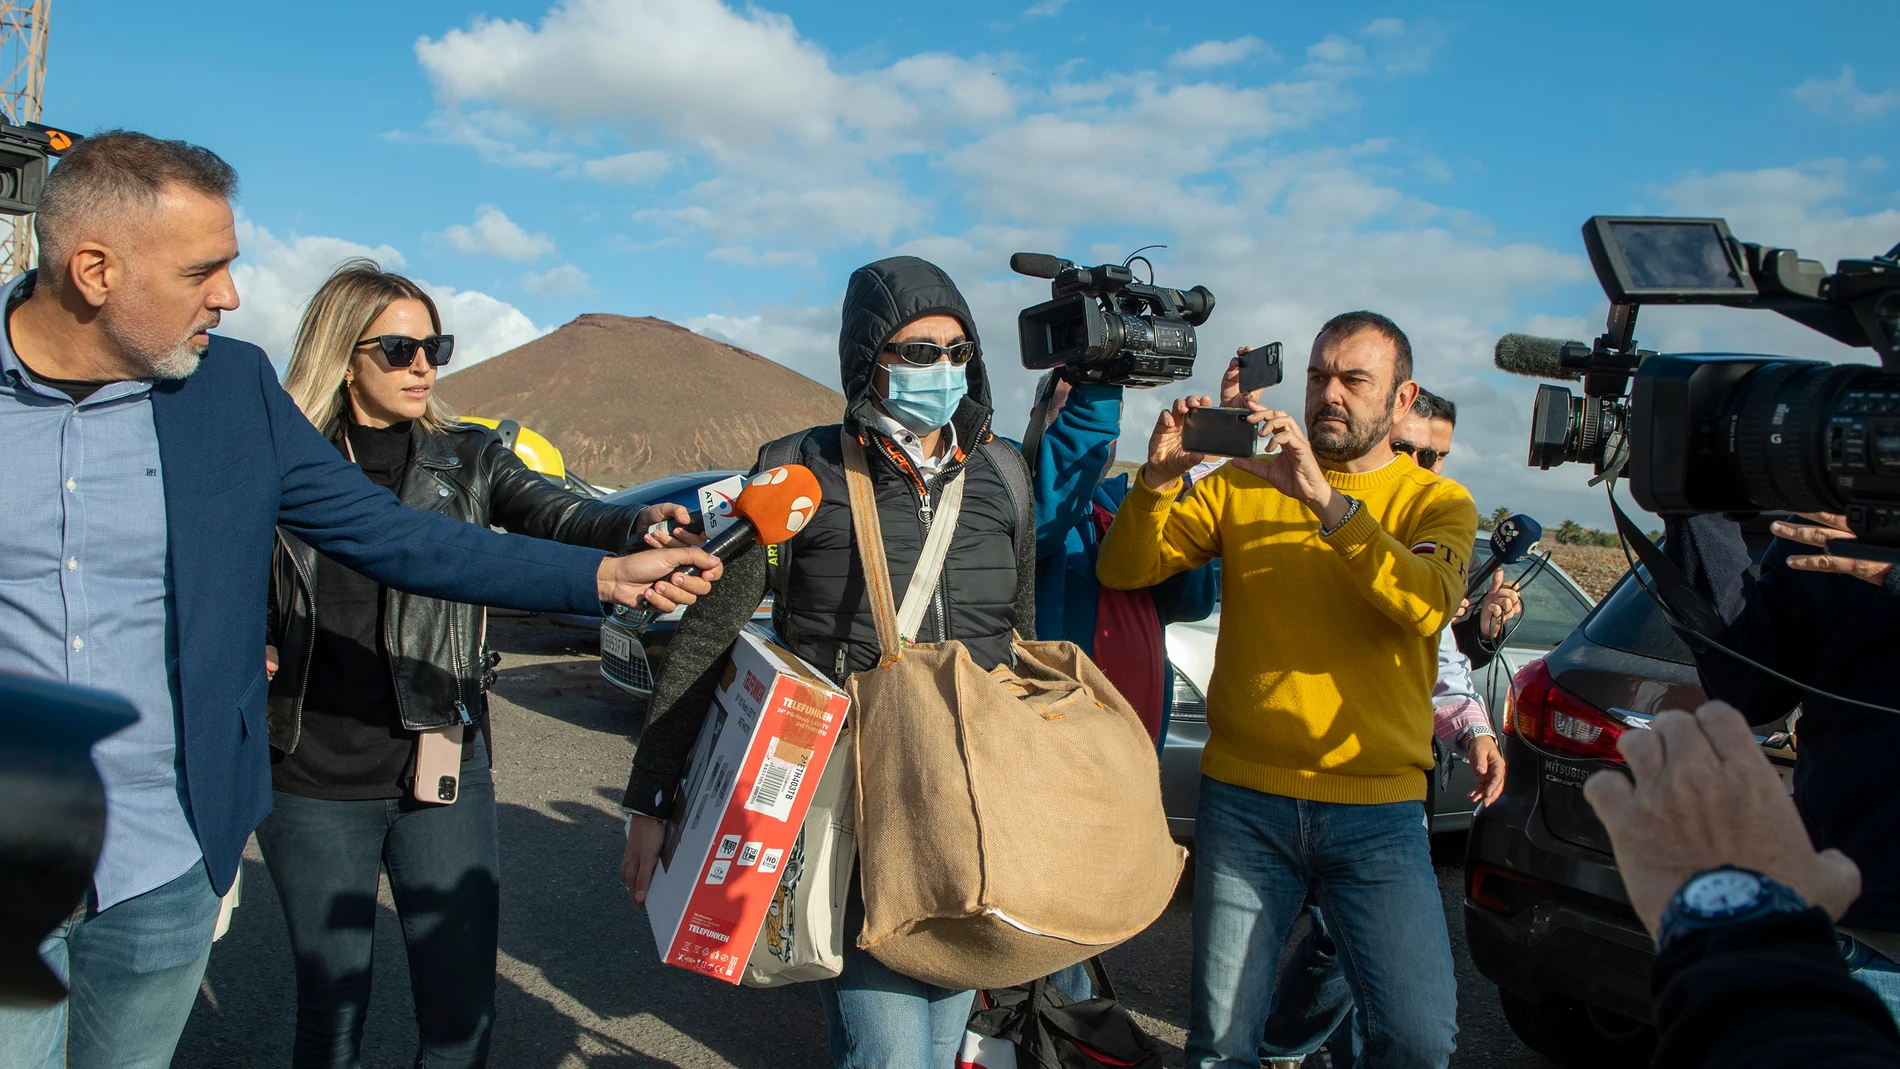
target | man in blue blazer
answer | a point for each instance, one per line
(146, 466)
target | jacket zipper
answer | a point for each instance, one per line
(310, 647)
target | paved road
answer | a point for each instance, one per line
(580, 985)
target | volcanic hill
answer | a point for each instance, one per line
(627, 400)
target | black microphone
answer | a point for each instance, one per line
(1037, 264)
(1527, 354)
(1511, 542)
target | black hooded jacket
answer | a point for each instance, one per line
(985, 596)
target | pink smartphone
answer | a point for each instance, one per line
(438, 765)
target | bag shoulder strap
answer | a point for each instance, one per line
(869, 535)
(923, 580)
(778, 453)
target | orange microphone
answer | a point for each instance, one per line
(773, 506)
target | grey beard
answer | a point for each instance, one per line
(1354, 443)
(177, 364)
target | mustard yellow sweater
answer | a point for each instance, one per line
(1328, 648)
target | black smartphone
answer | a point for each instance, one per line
(1260, 368)
(1222, 432)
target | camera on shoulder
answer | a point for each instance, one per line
(1102, 326)
(1720, 432)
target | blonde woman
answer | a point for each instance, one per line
(366, 674)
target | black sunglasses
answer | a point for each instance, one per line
(923, 353)
(400, 351)
(1427, 458)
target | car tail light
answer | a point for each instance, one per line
(1550, 717)
(1501, 890)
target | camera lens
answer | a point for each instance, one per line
(1780, 420)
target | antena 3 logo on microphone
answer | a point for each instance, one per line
(779, 502)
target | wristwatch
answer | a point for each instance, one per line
(1721, 896)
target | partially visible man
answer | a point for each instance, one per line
(147, 466)
(1341, 564)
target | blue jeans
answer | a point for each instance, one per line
(880, 1019)
(445, 874)
(1312, 1003)
(133, 970)
(1874, 969)
(1369, 868)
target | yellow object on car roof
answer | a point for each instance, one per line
(536, 452)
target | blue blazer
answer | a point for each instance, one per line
(240, 459)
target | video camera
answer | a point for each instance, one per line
(1722, 432)
(1104, 327)
(23, 153)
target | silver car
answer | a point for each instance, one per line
(1553, 606)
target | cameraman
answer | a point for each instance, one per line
(1122, 630)
(1342, 562)
(1833, 622)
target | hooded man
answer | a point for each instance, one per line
(917, 400)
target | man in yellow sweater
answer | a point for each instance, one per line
(1341, 563)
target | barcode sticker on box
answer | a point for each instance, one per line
(779, 776)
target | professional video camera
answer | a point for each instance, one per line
(1104, 327)
(1723, 432)
(23, 153)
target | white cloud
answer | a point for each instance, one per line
(1387, 27)
(631, 168)
(494, 234)
(746, 256)
(563, 279)
(276, 277)
(1217, 53)
(1841, 97)
(1045, 9)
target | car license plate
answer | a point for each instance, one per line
(616, 644)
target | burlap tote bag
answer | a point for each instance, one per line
(1009, 822)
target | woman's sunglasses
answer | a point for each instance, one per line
(1427, 458)
(923, 353)
(400, 351)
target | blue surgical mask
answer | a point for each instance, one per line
(924, 398)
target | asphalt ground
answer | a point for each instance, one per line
(580, 983)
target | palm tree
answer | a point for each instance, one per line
(1499, 515)
(1569, 531)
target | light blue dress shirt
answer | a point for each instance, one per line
(84, 598)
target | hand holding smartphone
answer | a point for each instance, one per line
(1221, 432)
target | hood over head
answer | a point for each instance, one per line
(883, 296)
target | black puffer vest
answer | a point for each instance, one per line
(824, 612)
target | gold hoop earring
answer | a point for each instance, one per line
(349, 378)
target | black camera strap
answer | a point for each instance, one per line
(1689, 612)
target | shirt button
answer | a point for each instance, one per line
(72, 484)
(79, 643)
(72, 564)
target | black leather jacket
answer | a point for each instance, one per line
(436, 649)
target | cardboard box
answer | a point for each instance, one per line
(757, 763)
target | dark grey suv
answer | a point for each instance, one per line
(1546, 915)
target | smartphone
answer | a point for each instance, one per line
(438, 765)
(1223, 432)
(1260, 368)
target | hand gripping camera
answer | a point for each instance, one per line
(1723, 432)
(1104, 327)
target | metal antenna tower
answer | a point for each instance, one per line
(23, 60)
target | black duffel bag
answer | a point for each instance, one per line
(1052, 1031)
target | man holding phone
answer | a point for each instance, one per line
(1342, 562)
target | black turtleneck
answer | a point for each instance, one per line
(352, 745)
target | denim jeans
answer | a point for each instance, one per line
(881, 1019)
(133, 971)
(444, 873)
(1874, 969)
(1312, 1003)
(1369, 868)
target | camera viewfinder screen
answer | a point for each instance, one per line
(1674, 256)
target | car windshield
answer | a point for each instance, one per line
(1551, 609)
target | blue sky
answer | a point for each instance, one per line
(726, 167)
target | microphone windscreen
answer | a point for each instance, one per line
(779, 502)
(1527, 354)
(1036, 264)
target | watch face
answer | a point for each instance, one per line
(1713, 894)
